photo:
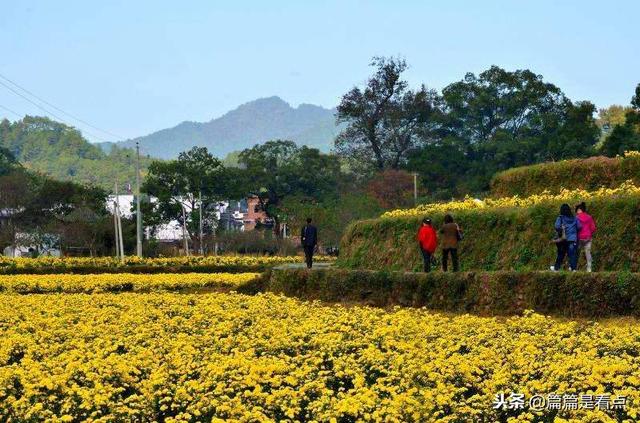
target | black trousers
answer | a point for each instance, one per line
(426, 256)
(308, 255)
(454, 258)
(566, 248)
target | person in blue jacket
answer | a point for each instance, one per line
(567, 226)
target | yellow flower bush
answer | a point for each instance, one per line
(588, 173)
(626, 189)
(108, 282)
(214, 357)
(69, 263)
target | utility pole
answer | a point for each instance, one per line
(115, 223)
(119, 224)
(415, 188)
(214, 225)
(200, 201)
(184, 229)
(138, 212)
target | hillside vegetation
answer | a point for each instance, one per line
(568, 294)
(587, 174)
(499, 238)
(61, 152)
(251, 123)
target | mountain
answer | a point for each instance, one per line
(251, 123)
(61, 152)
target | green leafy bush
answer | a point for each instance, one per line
(591, 173)
(498, 239)
(572, 294)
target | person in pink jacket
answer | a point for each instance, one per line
(587, 229)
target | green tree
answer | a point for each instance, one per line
(15, 192)
(279, 169)
(497, 120)
(625, 137)
(443, 168)
(332, 215)
(385, 120)
(7, 161)
(610, 117)
(635, 100)
(61, 152)
(86, 229)
(577, 132)
(41, 209)
(179, 185)
(497, 100)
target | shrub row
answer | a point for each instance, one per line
(571, 294)
(197, 264)
(142, 269)
(498, 239)
(591, 173)
(122, 282)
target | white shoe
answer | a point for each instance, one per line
(553, 268)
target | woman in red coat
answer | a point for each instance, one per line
(428, 241)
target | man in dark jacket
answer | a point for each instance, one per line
(309, 238)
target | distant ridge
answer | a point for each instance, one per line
(61, 152)
(252, 123)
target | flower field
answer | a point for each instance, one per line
(588, 174)
(107, 282)
(110, 264)
(626, 189)
(187, 357)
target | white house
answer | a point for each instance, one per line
(27, 251)
(230, 216)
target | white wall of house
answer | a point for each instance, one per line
(171, 231)
(23, 251)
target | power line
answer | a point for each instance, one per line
(10, 111)
(45, 110)
(118, 137)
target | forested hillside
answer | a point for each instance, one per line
(255, 122)
(61, 152)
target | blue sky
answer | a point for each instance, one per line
(132, 67)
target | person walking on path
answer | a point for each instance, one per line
(451, 235)
(567, 227)
(588, 228)
(427, 241)
(309, 239)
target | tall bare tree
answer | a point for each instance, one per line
(385, 119)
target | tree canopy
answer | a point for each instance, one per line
(279, 169)
(7, 161)
(42, 212)
(195, 181)
(458, 139)
(626, 136)
(385, 119)
(61, 152)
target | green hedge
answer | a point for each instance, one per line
(498, 239)
(571, 294)
(591, 173)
